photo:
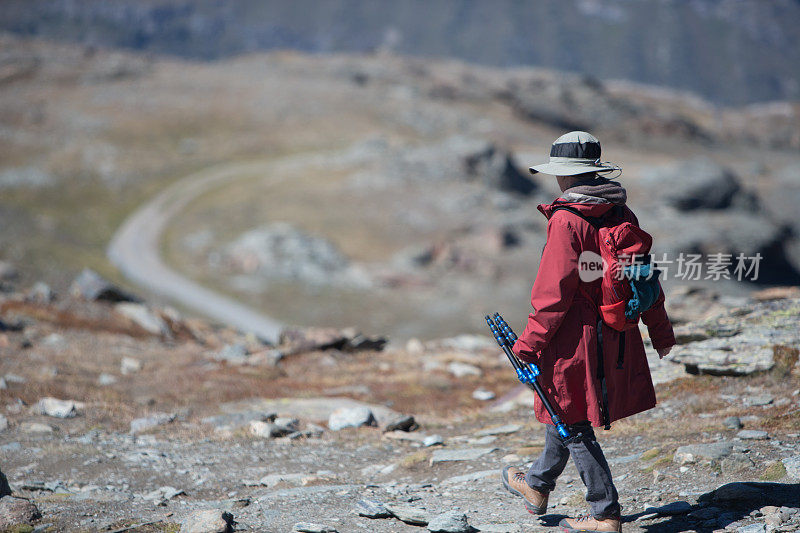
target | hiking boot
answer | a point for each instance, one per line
(514, 481)
(590, 523)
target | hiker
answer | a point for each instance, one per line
(590, 384)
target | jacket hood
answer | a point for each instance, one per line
(590, 206)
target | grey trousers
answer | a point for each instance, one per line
(591, 463)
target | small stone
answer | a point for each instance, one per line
(501, 430)
(732, 422)
(792, 466)
(235, 354)
(149, 422)
(57, 408)
(104, 380)
(268, 430)
(466, 454)
(371, 509)
(752, 434)
(308, 527)
(130, 365)
(483, 395)
(658, 476)
(449, 522)
(432, 440)
(460, 370)
(16, 511)
(401, 423)
(512, 459)
(40, 293)
(758, 400)
(712, 451)
(415, 346)
(408, 514)
(163, 494)
(208, 521)
(143, 317)
(36, 428)
(345, 417)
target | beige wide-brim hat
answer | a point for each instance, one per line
(576, 152)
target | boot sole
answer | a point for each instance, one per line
(528, 505)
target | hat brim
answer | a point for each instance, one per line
(566, 169)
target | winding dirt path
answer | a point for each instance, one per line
(134, 249)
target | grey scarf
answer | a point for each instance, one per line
(601, 188)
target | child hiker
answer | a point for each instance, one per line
(582, 334)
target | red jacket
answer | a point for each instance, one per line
(561, 334)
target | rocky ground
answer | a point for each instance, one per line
(122, 416)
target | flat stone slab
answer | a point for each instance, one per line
(712, 451)
(410, 515)
(752, 434)
(792, 466)
(502, 430)
(464, 454)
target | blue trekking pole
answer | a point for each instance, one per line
(526, 373)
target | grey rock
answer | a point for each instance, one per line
(269, 430)
(129, 365)
(752, 528)
(739, 355)
(3, 383)
(36, 428)
(752, 434)
(483, 395)
(235, 354)
(450, 522)
(40, 293)
(401, 423)
(16, 511)
(14, 378)
(732, 422)
(163, 494)
(501, 430)
(712, 451)
(698, 184)
(460, 370)
(495, 168)
(57, 408)
(432, 440)
(309, 527)
(208, 521)
(273, 480)
(143, 317)
(408, 514)
(149, 422)
(89, 285)
(346, 417)
(465, 454)
(792, 465)
(3, 423)
(104, 380)
(371, 509)
(758, 400)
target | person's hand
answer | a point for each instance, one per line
(662, 352)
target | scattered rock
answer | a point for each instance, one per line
(57, 408)
(308, 527)
(758, 400)
(465, 454)
(500, 430)
(371, 509)
(144, 318)
(732, 422)
(139, 425)
(483, 395)
(408, 514)
(89, 285)
(208, 521)
(162, 495)
(3, 423)
(401, 423)
(752, 434)
(16, 511)
(36, 428)
(40, 293)
(130, 365)
(272, 430)
(712, 451)
(699, 184)
(792, 465)
(346, 417)
(432, 440)
(235, 354)
(460, 370)
(104, 380)
(450, 522)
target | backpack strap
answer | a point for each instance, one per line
(601, 375)
(596, 222)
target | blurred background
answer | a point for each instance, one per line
(361, 163)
